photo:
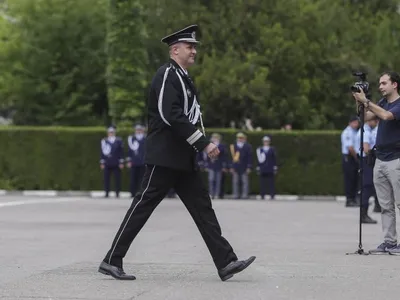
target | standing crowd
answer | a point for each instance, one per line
(235, 160)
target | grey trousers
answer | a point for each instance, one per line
(214, 182)
(244, 179)
(387, 185)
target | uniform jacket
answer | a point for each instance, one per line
(219, 163)
(267, 162)
(112, 154)
(173, 113)
(242, 158)
(136, 150)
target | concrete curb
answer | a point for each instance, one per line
(100, 194)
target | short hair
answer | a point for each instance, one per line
(171, 47)
(394, 77)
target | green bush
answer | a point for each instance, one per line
(67, 158)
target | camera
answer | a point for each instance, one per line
(360, 85)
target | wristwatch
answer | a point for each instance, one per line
(367, 103)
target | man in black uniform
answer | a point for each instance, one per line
(172, 144)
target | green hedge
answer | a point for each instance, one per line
(67, 158)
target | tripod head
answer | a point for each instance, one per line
(363, 84)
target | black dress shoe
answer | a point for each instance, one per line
(116, 272)
(367, 220)
(377, 209)
(352, 203)
(234, 267)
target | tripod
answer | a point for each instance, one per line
(361, 114)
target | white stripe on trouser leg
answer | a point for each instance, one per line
(130, 215)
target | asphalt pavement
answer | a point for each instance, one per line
(50, 248)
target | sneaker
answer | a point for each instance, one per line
(383, 248)
(395, 250)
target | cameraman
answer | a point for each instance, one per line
(387, 164)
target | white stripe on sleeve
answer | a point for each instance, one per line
(194, 137)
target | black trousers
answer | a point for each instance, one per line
(107, 178)
(136, 178)
(267, 181)
(189, 186)
(350, 172)
(368, 184)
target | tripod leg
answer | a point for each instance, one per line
(360, 250)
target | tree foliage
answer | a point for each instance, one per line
(53, 61)
(276, 62)
(127, 60)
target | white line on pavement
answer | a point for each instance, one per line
(39, 193)
(15, 203)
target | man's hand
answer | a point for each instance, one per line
(374, 109)
(360, 96)
(212, 150)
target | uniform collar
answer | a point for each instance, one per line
(184, 75)
(176, 65)
(351, 128)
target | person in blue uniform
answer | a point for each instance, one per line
(216, 166)
(112, 160)
(367, 187)
(350, 161)
(224, 172)
(241, 165)
(267, 167)
(135, 158)
(201, 158)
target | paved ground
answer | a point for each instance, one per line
(50, 248)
